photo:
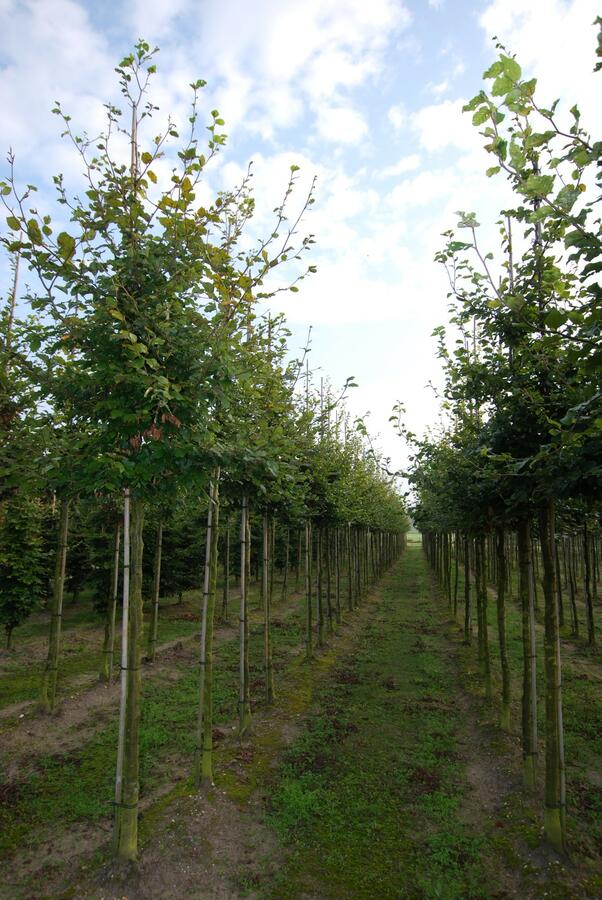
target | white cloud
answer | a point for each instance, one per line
(443, 125)
(341, 125)
(405, 164)
(155, 19)
(397, 116)
(548, 39)
(317, 51)
(440, 88)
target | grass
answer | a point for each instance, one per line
(373, 799)
(77, 786)
(81, 643)
(582, 707)
(366, 798)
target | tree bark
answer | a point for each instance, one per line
(529, 697)
(555, 790)
(244, 708)
(154, 622)
(267, 625)
(108, 647)
(49, 681)
(127, 792)
(501, 627)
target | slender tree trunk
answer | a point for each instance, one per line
(226, 593)
(125, 619)
(328, 581)
(244, 710)
(204, 650)
(555, 790)
(308, 597)
(337, 575)
(558, 584)
(501, 627)
(298, 565)
(287, 544)
(349, 570)
(108, 647)
(267, 625)
(573, 590)
(481, 591)
(456, 573)
(467, 611)
(587, 579)
(126, 819)
(529, 698)
(50, 677)
(154, 622)
(320, 589)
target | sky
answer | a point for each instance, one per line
(366, 95)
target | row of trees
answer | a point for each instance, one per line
(140, 385)
(520, 465)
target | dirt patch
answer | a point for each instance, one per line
(424, 781)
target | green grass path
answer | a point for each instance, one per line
(402, 786)
(369, 797)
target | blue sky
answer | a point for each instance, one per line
(365, 94)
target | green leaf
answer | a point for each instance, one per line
(146, 158)
(152, 176)
(66, 245)
(538, 185)
(33, 232)
(511, 68)
(492, 170)
(567, 197)
(13, 223)
(501, 85)
(555, 318)
(517, 157)
(494, 70)
(481, 115)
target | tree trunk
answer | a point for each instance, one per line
(587, 580)
(456, 574)
(154, 622)
(467, 611)
(349, 570)
(328, 581)
(49, 681)
(244, 708)
(226, 593)
(267, 625)
(287, 545)
(573, 590)
(127, 786)
(337, 575)
(529, 698)
(308, 597)
(319, 589)
(501, 627)
(555, 791)
(202, 755)
(108, 647)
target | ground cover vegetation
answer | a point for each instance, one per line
(508, 496)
